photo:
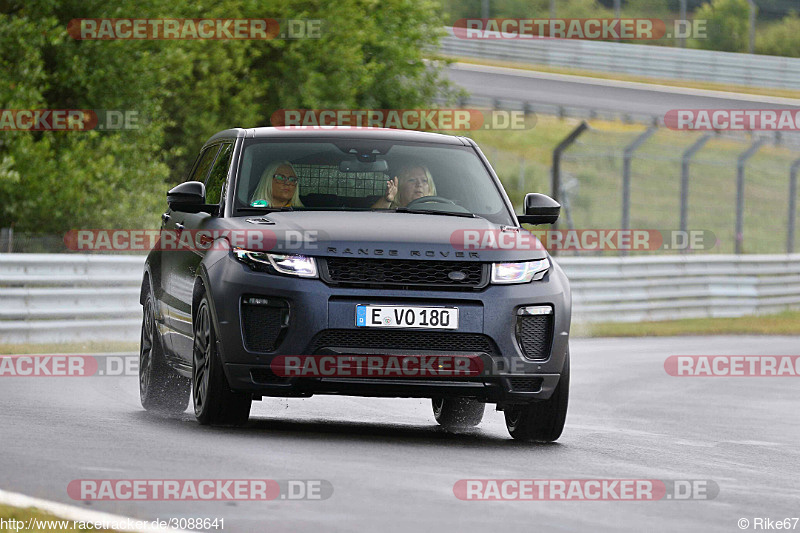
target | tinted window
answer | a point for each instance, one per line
(205, 161)
(219, 174)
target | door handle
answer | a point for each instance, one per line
(180, 227)
(165, 218)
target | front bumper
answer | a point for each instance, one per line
(315, 307)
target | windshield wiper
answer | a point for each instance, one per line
(429, 212)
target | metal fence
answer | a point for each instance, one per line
(741, 189)
(57, 298)
(637, 59)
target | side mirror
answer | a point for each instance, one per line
(189, 197)
(539, 209)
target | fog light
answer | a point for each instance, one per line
(535, 310)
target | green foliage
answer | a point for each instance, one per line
(727, 26)
(370, 55)
(782, 39)
(456, 9)
(51, 181)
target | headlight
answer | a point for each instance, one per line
(292, 265)
(522, 272)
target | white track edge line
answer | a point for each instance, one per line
(74, 513)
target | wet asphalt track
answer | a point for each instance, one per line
(393, 469)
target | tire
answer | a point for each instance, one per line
(541, 421)
(214, 402)
(457, 412)
(161, 389)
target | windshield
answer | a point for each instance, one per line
(359, 175)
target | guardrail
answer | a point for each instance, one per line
(632, 289)
(55, 298)
(637, 59)
(76, 298)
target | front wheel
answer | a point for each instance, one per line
(214, 402)
(541, 421)
(458, 412)
(161, 389)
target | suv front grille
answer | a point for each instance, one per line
(404, 272)
(403, 340)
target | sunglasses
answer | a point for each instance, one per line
(292, 180)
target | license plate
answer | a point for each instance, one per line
(397, 316)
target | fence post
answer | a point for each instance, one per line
(626, 175)
(7, 239)
(555, 176)
(751, 41)
(740, 163)
(555, 181)
(792, 206)
(526, 108)
(685, 161)
(682, 40)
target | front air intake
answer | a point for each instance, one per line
(264, 322)
(534, 331)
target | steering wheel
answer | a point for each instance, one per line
(431, 199)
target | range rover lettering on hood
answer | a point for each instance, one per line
(396, 253)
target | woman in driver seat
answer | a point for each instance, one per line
(279, 187)
(410, 183)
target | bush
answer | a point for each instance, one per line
(781, 39)
(727, 27)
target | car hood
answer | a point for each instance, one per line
(377, 234)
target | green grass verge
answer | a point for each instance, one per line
(25, 515)
(690, 84)
(786, 323)
(69, 348)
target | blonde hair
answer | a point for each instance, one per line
(264, 189)
(407, 168)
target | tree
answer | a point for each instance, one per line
(370, 55)
(727, 26)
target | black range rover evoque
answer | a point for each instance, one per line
(299, 261)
